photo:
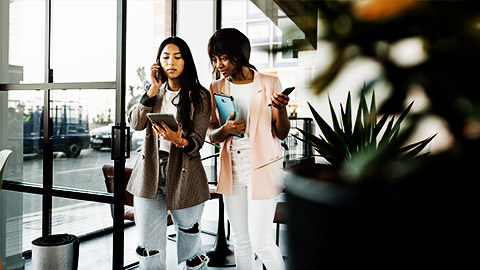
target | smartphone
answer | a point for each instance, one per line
(286, 92)
(157, 73)
(225, 106)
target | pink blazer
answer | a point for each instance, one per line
(267, 182)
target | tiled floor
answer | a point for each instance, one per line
(96, 254)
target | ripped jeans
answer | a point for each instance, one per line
(151, 223)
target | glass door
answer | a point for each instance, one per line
(63, 82)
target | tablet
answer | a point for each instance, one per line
(226, 106)
(168, 119)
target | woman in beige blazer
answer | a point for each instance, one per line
(250, 189)
(168, 174)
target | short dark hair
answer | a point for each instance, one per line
(234, 44)
(191, 87)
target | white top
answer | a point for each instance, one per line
(168, 107)
(241, 94)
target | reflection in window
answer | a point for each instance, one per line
(267, 39)
(265, 36)
(77, 115)
(23, 134)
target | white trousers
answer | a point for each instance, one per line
(251, 220)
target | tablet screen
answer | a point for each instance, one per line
(168, 119)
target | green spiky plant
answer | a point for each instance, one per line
(359, 147)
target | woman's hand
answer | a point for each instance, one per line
(167, 134)
(279, 101)
(234, 126)
(282, 124)
(155, 70)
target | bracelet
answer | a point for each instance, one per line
(181, 144)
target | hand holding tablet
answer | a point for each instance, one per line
(168, 119)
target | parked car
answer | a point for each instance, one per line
(101, 137)
(70, 131)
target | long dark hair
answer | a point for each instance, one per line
(234, 44)
(191, 87)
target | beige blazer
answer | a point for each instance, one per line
(264, 145)
(187, 183)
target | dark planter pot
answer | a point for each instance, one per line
(376, 226)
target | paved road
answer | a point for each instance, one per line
(83, 172)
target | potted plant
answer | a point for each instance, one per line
(379, 211)
(347, 205)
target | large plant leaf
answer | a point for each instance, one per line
(371, 121)
(321, 146)
(386, 135)
(416, 147)
(361, 142)
(344, 140)
(399, 121)
(379, 125)
(358, 137)
(335, 123)
(327, 131)
(347, 116)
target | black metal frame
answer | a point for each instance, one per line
(119, 163)
(47, 190)
(173, 22)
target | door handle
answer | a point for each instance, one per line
(116, 132)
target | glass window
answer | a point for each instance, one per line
(22, 132)
(233, 10)
(260, 56)
(79, 217)
(266, 26)
(83, 43)
(20, 224)
(82, 218)
(22, 42)
(258, 32)
(147, 26)
(197, 35)
(253, 12)
(266, 35)
(82, 124)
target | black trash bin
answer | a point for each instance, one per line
(58, 251)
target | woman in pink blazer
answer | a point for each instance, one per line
(250, 189)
